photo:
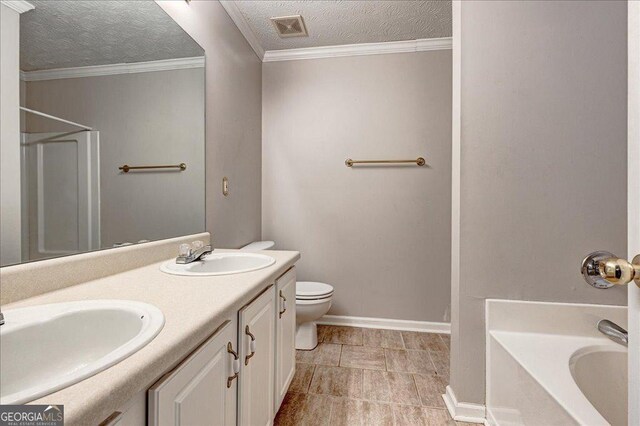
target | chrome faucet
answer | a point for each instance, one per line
(613, 331)
(193, 253)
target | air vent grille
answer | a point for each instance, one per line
(290, 26)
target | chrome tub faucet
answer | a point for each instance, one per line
(613, 331)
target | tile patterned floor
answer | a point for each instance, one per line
(369, 377)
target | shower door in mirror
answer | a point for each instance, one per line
(60, 193)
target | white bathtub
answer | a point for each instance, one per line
(547, 364)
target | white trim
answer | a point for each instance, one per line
(490, 420)
(457, 352)
(19, 6)
(238, 18)
(406, 46)
(463, 411)
(113, 69)
(388, 324)
(633, 203)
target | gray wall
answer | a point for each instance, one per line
(233, 125)
(143, 119)
(381, 235)
(10, 225)
(543, 160)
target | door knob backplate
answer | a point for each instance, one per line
(602, 269)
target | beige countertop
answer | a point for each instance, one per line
(193, 308)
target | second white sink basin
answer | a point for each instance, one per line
(220, 264)
(45, 348)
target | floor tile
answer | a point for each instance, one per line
(349, 412)
(423, 341)
(382, 338)
(343, 335)
(299, 409)
(420, 416)
(323, 354)
(337, 381)
(441, 363)
(438, 417)
(322, 330)
(407, 361)
(430, 389)
(362, 357)
(343, 380)
(383, 386)
(302, 378)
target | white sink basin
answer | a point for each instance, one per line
(48, 347)
(220, 264)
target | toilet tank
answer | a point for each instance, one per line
(259, 245)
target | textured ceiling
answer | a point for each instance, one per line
(349, 22)
(66, 34)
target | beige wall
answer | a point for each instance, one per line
(10, 223)
(233, 125)
(143, 119)
(380, 236)
(543, 160)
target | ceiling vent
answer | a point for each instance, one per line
(290, 26)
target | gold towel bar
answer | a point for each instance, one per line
(418, 161)
(126, 167)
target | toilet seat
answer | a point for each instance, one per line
(310, 290)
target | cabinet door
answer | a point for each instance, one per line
(199, 391)
(256, 340)
(285, 334)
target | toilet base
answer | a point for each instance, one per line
(306, 336)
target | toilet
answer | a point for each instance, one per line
(313, 300)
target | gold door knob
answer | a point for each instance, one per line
(619, 271)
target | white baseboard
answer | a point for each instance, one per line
(464, 411)
(384, 323)
(490, 420)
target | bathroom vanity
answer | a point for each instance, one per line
(242, 371)
(224, 356)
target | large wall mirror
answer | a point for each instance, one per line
(106, 87)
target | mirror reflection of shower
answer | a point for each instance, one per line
(101, 89)
(60, 189)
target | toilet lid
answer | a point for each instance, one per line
(312, 290)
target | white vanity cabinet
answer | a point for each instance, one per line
(240, 375)
(256, 340)
(202, 390)
(285, 334)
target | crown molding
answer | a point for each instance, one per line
(238, 18)
(406, 46)
(113, 69)
(19, 6)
